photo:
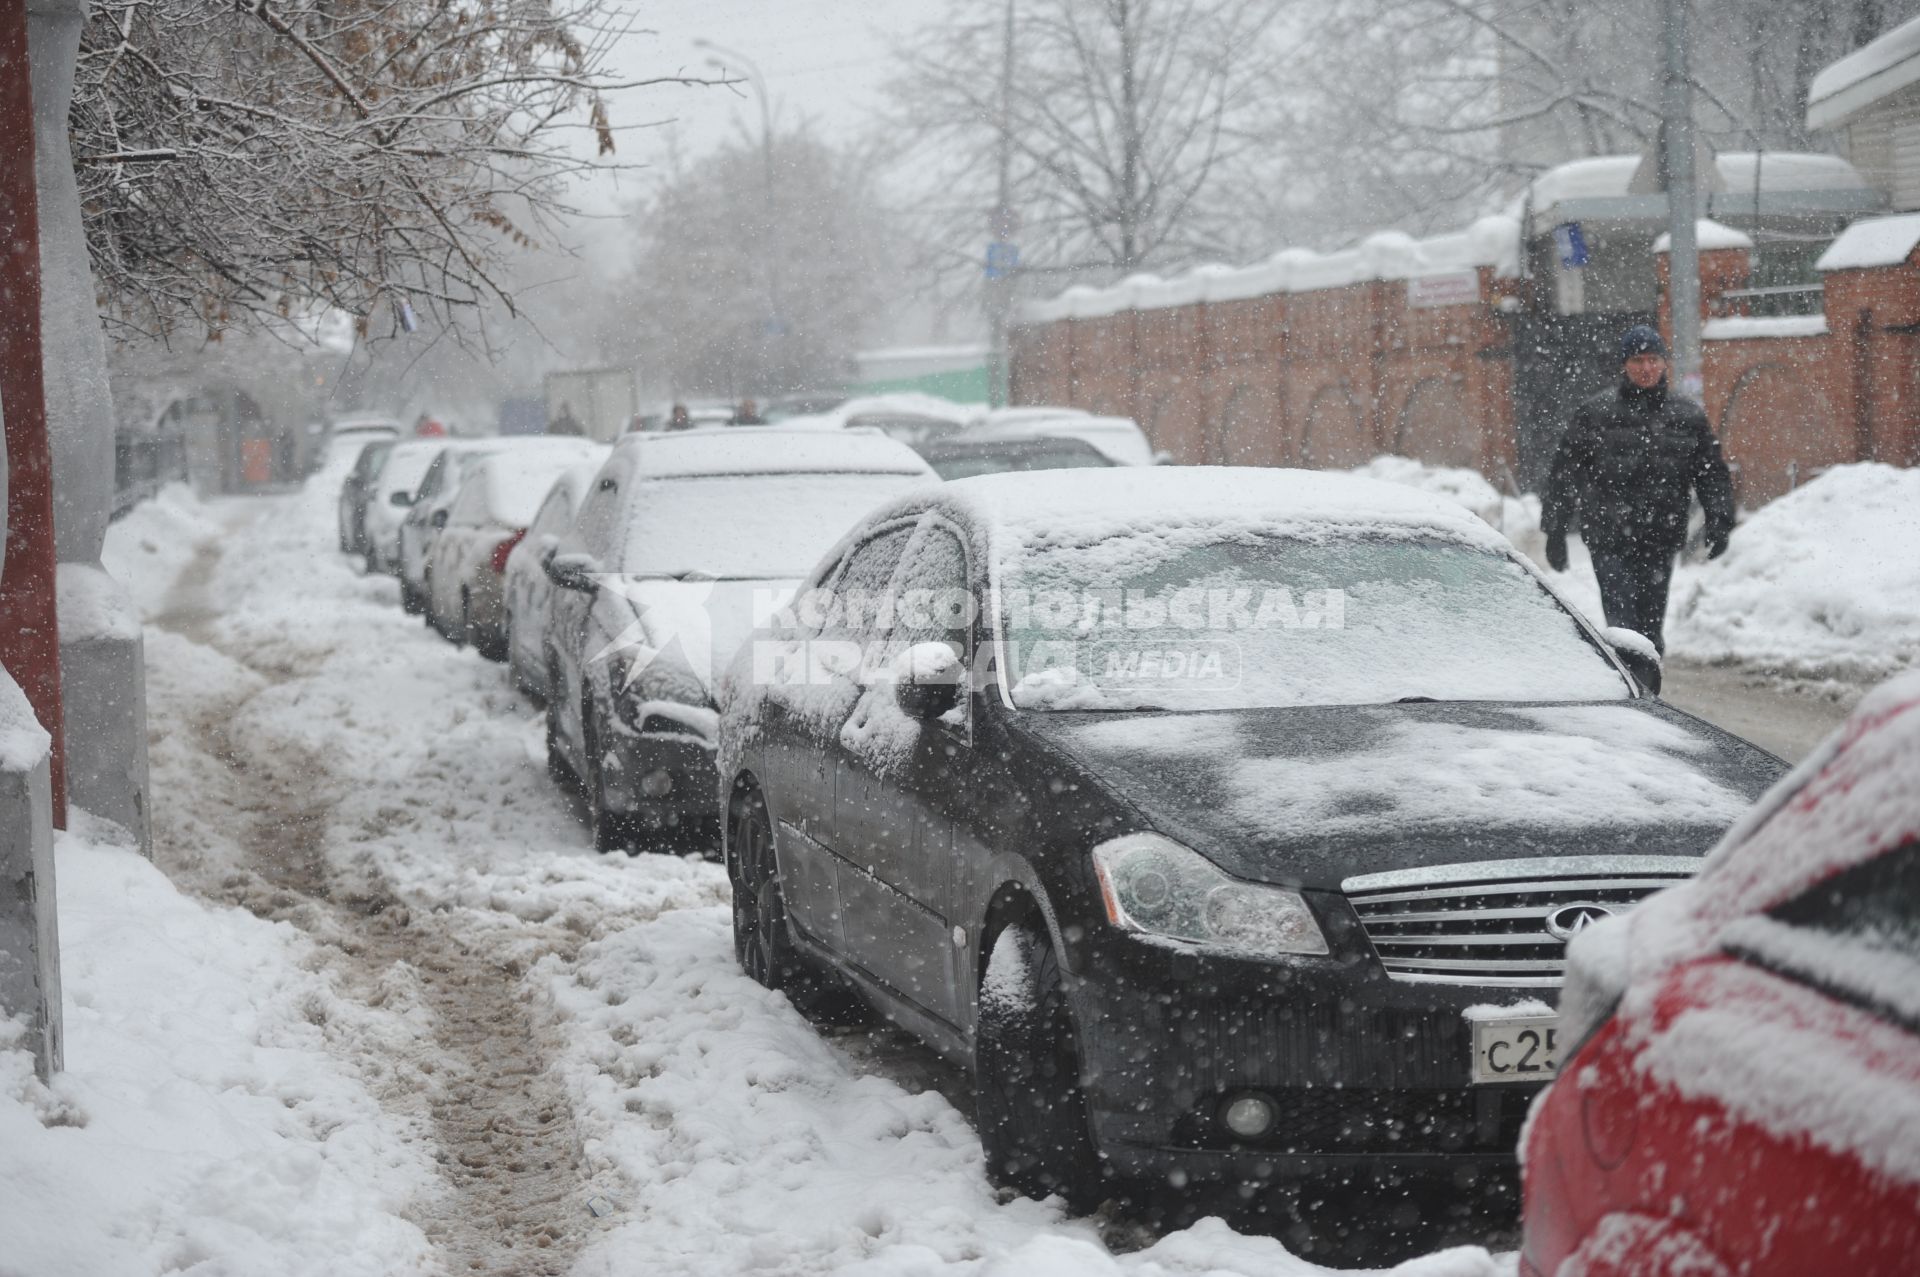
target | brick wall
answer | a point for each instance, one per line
(1331, 377)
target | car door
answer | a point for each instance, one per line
(801, 722)
(891, 829)
(568, 611)
(453, 551)
(526, 588)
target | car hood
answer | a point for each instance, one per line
(1311, 796)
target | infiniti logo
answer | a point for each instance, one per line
(1568, 921)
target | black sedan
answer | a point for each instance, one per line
(1230, 824)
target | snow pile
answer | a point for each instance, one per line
(93, 605)
(205, 1121)
(147, 547)
(753, 1142)
(1822, 583)
(23, 742)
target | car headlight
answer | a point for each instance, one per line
(1154, 886)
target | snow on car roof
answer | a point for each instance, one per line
(770, 450)
(517, 481)
(1083, 506)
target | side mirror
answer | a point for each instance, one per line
(926, 680)
(402, 499)
(1637, 652)
(438, 518)
(572, 571)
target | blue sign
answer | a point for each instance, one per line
(1003, 259)
(1572, 245)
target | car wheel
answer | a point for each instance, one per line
(1030, 1099)
(412, 602)
(611, 831)
(762, 942)
(557, 768)
(464, 635)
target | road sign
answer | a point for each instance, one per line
(1571, 245)
(1003, 259)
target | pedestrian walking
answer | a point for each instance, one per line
(1632, 459)
(566, 423)
(748, 414)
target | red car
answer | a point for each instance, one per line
(1742, 1096)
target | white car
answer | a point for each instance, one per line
(499, 494)
(526, 586)
(681, 541)
(392, 496)
(1119, 439)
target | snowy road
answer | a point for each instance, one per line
(1788, 721)
(564, 1070)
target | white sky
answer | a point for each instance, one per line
(824, 60)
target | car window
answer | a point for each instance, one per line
(862, 583)
(555, 513)
(434, 477)
(470, 507)
(931, 603)
(1855, 936)
(599, 516)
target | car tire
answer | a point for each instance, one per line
(464, 635)
(412, 602)
(762, 942)
(611, 831)
(1030, 1101)
(557, 769)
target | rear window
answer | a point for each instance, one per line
(747, 527)
(1856, 936)
(966, 465)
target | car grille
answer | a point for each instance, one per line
(1501, 923)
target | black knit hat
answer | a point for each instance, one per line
(1641, 339)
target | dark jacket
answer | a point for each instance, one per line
(1628, 463)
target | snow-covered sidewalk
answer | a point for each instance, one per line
(378, 1008)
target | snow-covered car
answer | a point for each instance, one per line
(1742, 1054)
(427, 515)
(683, 537)
(525, 585)
(499, 495)
(356, 490)
(1119, 439)
(909, 417)
(393, 491)
(962, 457)
(1227, 822)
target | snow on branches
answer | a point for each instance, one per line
(242, 160)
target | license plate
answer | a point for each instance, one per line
(1519, 1049)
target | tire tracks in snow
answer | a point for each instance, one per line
(481, 1089)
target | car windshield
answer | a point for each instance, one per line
(1138, 622)
(747, 527)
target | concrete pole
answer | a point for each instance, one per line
(103, 667)
(30, 719)
(1683, 205)
(999, 291)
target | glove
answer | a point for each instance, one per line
(1717, 543)
(1557, 551)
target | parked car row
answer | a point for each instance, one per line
(1230, 825)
